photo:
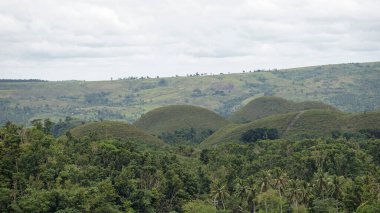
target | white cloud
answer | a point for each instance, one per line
(99, 39)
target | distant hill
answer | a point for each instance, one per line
(313, 123)
(170, 118)
(350, 87)
(266, 106)
(368, 120)
(114, 130)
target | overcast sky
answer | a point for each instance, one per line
(100, 39)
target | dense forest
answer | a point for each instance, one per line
(41, 173)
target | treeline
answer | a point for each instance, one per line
(22, 80)
(42, 174)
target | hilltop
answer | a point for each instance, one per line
(348, 87)
(181, 123)
(308, 123)
(114, 130)
(266, 106)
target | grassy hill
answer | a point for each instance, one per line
(266, 106)
(114, 130)
(314, 122)
(174, 117)
(349, 87)
(368, 120)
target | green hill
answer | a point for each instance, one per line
(233, 132)
(114, 130)
(170, 118)
(348, 87)
(368, 120)
(266, 106)
(314, 123)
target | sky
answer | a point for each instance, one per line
(104, 39)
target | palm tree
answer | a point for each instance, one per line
(321, 180)
(265, 179)
(219, 194)
(280, 180)
(305, 192)
(336, 190)
(251, 196)
(241, 191)
(294, 192)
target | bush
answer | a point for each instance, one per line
(254, 135)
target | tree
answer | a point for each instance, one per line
(219, 194)
(321, 181)
(198, 206)
(280, 179)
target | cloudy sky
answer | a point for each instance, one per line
(100, 39)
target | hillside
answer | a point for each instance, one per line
(348, 87)
(266, 106)
(315, 123)
(114, 130)
(368, 120)
(175, 117)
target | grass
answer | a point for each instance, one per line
(233, 132)
(348, 87)
(368, 120)
(115, 130)
(174, 117)
(266, 106)
(314, 122)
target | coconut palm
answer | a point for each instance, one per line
(280, 180)
(335, 186)
(264, 183)
(219, 194)
(294, 192)
(321, 181)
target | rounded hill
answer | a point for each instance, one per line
(114, 130)
(314, 122)
(368, 120)
(171, 118)
(267, 106)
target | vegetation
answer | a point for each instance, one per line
(305, 124)
(87, 174)
(254, 135)
(105, 130)
(279, 156)
(266, 106)
(181, 123)
(348, 87)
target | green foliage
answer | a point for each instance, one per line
(198, 206)
(98, 98)
(254, 135)
(103, 174)
(186, 136)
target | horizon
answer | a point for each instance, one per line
(183, 76)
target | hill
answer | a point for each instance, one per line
(114, 130)
(308, 123)
(170, 118)
(348, 87)
(266, 106)
(368, 120)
